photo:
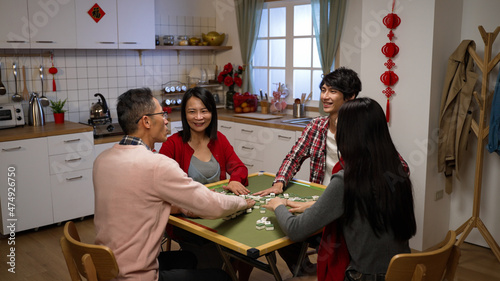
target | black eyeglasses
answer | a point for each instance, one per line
(165, 115)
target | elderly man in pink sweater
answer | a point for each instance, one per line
(134, 193)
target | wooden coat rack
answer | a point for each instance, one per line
(481, 131)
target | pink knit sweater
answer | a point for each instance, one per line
(134, 189)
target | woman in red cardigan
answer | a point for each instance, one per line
(206, 156)
(201, 151)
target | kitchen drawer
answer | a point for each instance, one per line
(256, 134)
(253, 165)
(250, 150)
(69, 162)
(71, 143)
(72, 195)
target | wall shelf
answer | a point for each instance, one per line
(178, 48)
(194, 48)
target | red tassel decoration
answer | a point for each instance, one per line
(388, 111)
(53, 84)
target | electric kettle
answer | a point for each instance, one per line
(36, 116)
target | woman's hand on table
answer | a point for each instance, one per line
(250, 203)
(299, 207)
(274, 203)
(237, 188)
(277, 188)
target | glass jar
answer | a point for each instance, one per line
(183, 40)
(168, 40)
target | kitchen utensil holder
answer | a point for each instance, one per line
(299, 110)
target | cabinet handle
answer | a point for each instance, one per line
(178, 128)
(247, 131)
(246, 147)
(72, 140)
(248, 165)
(17, 41)
(106, 42)
(284, 137)
(11, 149)
(73, 160)
(45, 41)
(74, 178)
(225, 127)
(131, 43)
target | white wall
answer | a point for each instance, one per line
(475, 13)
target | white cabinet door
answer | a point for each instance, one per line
(175, 127)
(14, 25)
(136, 24)
(98, 148)
(96, 24)
(227, 129)
(72, 195)
(30, 192)
(278, 145)
(79, 143)
(53, 24)
(71, 159)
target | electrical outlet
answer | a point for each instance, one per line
(439, 195)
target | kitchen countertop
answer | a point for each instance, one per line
(49, 129)
(52, 129)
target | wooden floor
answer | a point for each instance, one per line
(38, 257)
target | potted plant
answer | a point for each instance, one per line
(57, 109)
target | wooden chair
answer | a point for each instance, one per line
(94, 262)
(437, 264)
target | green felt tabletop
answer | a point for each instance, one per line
(242, 228)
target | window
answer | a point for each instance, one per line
(286, 50)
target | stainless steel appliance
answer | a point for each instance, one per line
(100, 119)
(11, 115)
(36, 115)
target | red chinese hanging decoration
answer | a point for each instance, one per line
(390, 50)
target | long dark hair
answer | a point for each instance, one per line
(375, 183)
(208, 100)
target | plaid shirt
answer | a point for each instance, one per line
(128, 140)
(311, 144)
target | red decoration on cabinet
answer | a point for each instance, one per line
(96, 13)
(390, 50)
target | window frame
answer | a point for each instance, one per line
(289, 37)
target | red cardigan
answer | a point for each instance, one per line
(221, 149)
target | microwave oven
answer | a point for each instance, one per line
(11, 115)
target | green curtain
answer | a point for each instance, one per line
(248, 14)
(328, 20)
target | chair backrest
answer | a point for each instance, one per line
(94, 262)
(434, 265)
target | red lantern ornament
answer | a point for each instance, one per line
(392, 20)
(389, 78)
(390, 50)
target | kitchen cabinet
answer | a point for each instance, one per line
(14, 25)
(262, 148)
(227, 129)
(31, 196)
(123, 24)
(136, 24)
(71, 159)
(52, 24)
(96, 35)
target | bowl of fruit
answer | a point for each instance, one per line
(244, 103)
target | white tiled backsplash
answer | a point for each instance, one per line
(82, 73)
